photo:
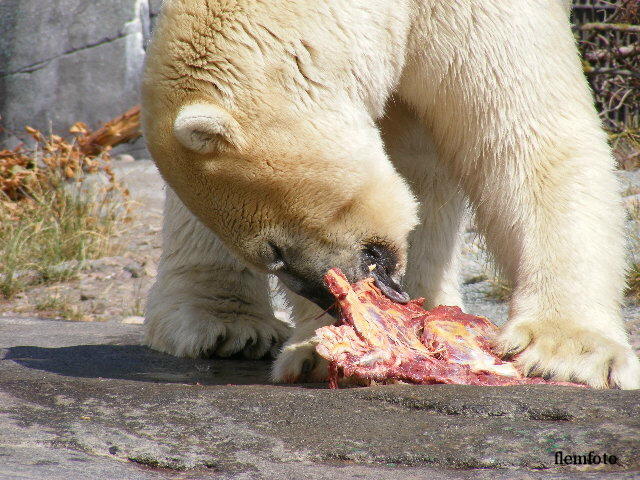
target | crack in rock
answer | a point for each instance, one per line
(136, 31)
(43, 63)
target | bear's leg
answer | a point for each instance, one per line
(501, 88)
(204, 301)
(559, 236)
(434, 252)
(298, 360)
(557, 233)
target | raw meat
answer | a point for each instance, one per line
(380, 340)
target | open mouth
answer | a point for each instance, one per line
(380, 259)
(377, 261)
(317, 292)
(389, 286)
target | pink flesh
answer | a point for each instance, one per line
(382, 340)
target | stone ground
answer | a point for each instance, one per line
(113, 287)
(83, 399)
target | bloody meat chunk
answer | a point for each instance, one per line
(380, 340)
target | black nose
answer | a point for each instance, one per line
(382, 261)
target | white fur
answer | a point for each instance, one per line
(433, 262)
(201, 126)
(298, 359)
(521, 136)
(502, 117)
(204, 301)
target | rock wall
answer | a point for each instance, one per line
(63, 61)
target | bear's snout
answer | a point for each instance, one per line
(306, 277)
(381, 262)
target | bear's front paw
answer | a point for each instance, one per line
(195, 332)
(570, 354)
(299, 362)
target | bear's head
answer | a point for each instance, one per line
(266, 133)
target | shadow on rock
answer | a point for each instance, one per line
(135, 362)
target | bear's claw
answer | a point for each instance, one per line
(570, 354)
(299, 362)
(198, 333)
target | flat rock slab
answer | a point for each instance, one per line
(85, 400)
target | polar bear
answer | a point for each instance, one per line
(299, 136)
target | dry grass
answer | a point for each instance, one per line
(61, 307)
(500, 289)
(48, 216)
(138, 304)
(626, 148)
(633, 273)
(633, 282)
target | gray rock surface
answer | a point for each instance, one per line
(85, 400)
(154, 10)
(70, 60)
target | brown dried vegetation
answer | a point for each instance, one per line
(49, 216)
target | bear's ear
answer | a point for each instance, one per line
(205, 128)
